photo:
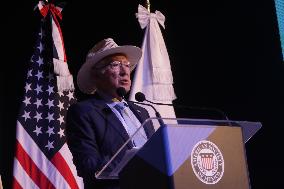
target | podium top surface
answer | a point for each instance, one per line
(249, 128)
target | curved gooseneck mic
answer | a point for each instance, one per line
(121, 92)
(140, 97)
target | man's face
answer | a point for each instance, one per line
(116, 74)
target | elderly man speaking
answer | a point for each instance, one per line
(99, 126)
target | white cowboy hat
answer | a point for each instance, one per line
(98, 52)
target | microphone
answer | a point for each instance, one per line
(140, 97)
(121, 92)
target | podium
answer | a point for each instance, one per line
(185, 154)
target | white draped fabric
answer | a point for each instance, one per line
(153, 75)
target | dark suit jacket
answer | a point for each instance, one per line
(94, 135)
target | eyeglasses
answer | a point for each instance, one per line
(115, 65)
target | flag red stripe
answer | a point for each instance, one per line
(62, 166)
(16, 184)
(31, 169)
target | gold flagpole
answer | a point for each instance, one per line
(148, 5)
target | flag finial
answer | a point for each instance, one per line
(148, 5)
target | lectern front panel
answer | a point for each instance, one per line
(214, 160)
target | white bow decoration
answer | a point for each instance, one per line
(144, 17)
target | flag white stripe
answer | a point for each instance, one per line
(39, 158)
(65, 152)
(22, 177)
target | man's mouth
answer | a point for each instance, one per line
(124, 81)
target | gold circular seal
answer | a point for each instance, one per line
(207, 162)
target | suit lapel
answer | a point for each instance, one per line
(111, 118)
(117, 125)
(136, 112)
(149, 129)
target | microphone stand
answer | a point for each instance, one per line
(158, 115)
(140, 97)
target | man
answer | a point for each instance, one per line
(97, 128)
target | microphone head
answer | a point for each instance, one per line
(140, 97)
(121, 92)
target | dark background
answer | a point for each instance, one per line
(224, 54)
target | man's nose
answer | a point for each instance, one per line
(124, 70)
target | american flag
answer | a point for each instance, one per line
(42, 158)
